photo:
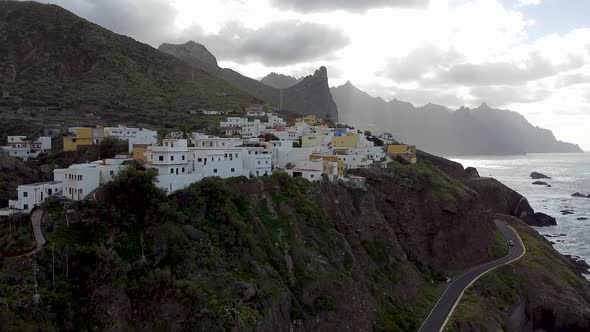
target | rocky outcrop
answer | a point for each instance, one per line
(311, 95)
(472, 172)
(542, 220)
(493, 194)
(537, 176)
(580, 195)
(280, 81)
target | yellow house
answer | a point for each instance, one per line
(349, 140)
(330, 160)
(408, 152)
(139, 152)
(310, 119)
(311, 140)
(81, 137)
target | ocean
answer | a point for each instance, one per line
(570, 173)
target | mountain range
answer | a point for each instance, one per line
(309, 95)
(50, 56)
(440, 130)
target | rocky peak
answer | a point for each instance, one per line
(190, 50)
(279, 81)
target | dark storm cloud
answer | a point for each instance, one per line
(275, 44)
(148, 21)
(348, 5)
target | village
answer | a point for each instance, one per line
(256, 145)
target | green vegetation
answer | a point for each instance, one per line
(16, 236)
(485, 305)
(424, 176)
(499, 247)
(95, 71)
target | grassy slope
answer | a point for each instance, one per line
(59, 58)
(541, 276)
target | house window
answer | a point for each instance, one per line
(25, 194)
(70, 190)
(161, 158)
(26, 206)
(80, 191)
(183, 157)
(259, 162)
(257, 173)
(79, 177)
(183, 170)
(215, 170)
(172, 171)
(233, 170)
(199, 160)
(171, 158)
(312, 176)
(112, 172)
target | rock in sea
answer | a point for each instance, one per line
(541, 220)
(580, 195)
(540, 183)
(536, 176)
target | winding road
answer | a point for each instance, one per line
(442, 311)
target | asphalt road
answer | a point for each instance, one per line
(445, 306)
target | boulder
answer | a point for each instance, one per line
(472, 172)
(537, 176)
(580, 195)
(581, 265)
(542, 220)
(540, 183)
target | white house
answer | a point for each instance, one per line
(275, 121)
(31, 195)
(76, 182)
(135, 136)
(257, 161)
(254, 113)
(310, 170)
(20, 147)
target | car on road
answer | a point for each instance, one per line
(511, 243)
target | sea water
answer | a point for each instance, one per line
(570, 173)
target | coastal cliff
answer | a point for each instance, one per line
(268, 254)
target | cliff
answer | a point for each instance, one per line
(439, 130)
(269, 254)
(311, 95)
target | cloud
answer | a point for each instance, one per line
(573, 79)
(306, 6)
(500, 96)
(275, 44)
(148, 21)
(507, 73)
(418, 63)
(527, 3)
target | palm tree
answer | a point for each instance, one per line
(164, 134)
(186, 132)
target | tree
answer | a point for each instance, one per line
(164, 134)
(133, 192)
(109, 147)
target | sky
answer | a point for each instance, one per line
(529, 56)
